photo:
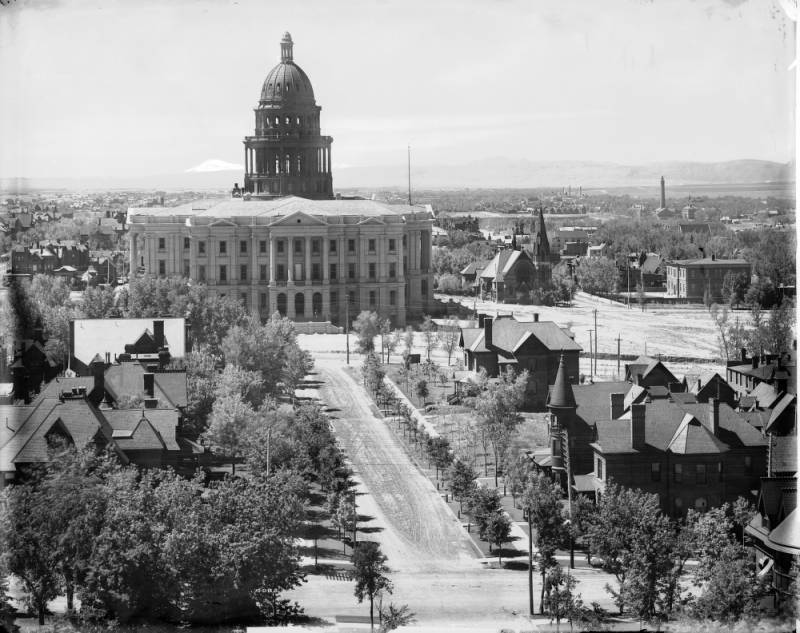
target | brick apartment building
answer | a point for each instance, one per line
(692, 278)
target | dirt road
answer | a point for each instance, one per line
(416, 528)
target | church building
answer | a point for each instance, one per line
(283, 242)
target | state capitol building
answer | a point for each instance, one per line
(282, 242)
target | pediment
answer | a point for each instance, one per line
(372, 220)
(223, 222)
(299, 218)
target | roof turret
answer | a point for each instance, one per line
(561, 395)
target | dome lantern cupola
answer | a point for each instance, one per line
(286, 48)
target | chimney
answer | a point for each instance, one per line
(663, 194)
(99, 373)
(149, 384)
(637, 425)
(481, 318)
(744, 354)
(487, 331)
(713, 416)
(151, 403)
(755, 361)
(617, 401)
(535, 317)
(158, 333)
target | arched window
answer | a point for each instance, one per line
(288, 120)
(277, 121)
(277, 165)
(299, 162)
(299, 304)
(287, 164)
(282, 304)
(316, 304)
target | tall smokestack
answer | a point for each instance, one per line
(663, 194)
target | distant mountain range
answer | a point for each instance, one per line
(492, 173)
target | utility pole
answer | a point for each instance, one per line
(619, 340)
(409, 175)
(629, 284)
(530, 564)
(595, 340)
(591, 354)
(565, 439)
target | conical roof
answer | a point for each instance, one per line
(561, 395)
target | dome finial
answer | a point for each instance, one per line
(286, 47)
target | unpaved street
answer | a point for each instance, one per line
(419, 532)
(436, 569)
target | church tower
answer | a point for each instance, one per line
(287, 155)
(541, 257)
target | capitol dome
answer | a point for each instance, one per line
(286, 83)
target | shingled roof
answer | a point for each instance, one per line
(76, 418)
(679, 428)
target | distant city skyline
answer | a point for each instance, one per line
(110, 88)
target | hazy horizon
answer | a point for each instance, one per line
(120, 90)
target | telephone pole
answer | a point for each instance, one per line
(595, 340)
(347, 322)
(619, 340)
(591, 355)
(409, 175)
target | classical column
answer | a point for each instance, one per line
(326, 243)
(290, 263)
(134, 253)
(271, 260)
(307, 271)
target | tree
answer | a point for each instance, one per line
(734, 287)
(498, 531)
(392, 617)
(448, 337)
(31, 546)
(733, 589)
(635, 541)
(560, 601)
(719, 315)
(597, 275)
(200, 386)
(542, 504)
(346, 518)
(270, 349)
(230, 427)
(99, 303)
(778, 329)
(421, 387)
(462, 480)
(367, 326)
(498, 410)
(408, 342)
(482, 505)
(369, 572)
(515, 475)
(428, 329)
(440, 453)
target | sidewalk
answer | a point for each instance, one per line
(415, 413)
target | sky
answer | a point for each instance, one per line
(111, 87)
